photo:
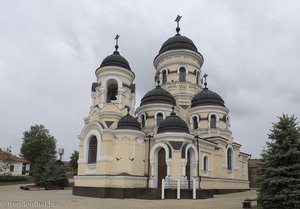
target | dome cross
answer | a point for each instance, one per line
(117, 38)
(205, 83)
(177, 20)
(157, 78)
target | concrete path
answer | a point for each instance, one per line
(13, 197)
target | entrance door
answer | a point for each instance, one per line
(188, 169)
(161, 166)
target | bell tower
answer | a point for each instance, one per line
(178, 64)
(113, 91)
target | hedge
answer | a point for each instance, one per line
(8, 178)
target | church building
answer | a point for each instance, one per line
(179, 133)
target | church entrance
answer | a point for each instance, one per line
(161, 166)
(188, 169)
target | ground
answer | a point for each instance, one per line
(13, 197)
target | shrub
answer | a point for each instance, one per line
(54, 176)
(8, 178)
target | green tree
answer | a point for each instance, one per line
(7, 161)
(37, 142)
(73, 161)
(53, 176)
(40, 167)
(279, 170)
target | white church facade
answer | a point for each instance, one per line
(181, 130)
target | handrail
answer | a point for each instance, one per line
(179, 184)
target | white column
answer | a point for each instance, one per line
(195, 165)
(178, 189)
(183, 166)
(168, 167)
(119, 96)
(194, 188)
(102, 93)
(163, 189)
(152, 168)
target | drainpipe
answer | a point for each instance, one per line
(199, 177)
(148, 175)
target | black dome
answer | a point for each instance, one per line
(129, 122)
(173, 123)
(115, 60)
(178, 42)
(158, 95)
(207, 97)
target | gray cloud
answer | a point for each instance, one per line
(50, 50)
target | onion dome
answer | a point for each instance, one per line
(158, 95)
(116, 59)
(129, 122)
(207, 97)
(178, 42)
(173, 123)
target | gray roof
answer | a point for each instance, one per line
(158, 95)
(173, 123)
(129, 122)
(207, 97)
(115, 60)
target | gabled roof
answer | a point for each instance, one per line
(15, 158)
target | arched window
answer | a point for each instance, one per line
(213, 121)
(92, 153)
(229, 159)
(159, 119)
(198, 79)
(205, 163)
(164, 76)
(182, 74)
(195, 122)
(112, 91)
(143, 120)
(227, 122)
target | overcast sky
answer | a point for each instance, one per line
(49, 51)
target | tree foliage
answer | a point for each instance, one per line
(37, 142)
(40, 167)
(73, 161)
(7, 160)
(53, 176)
(279, 170)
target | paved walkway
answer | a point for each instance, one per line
(13, 197)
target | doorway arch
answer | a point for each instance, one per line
(161, 166)
(160, 158)
(189, 155)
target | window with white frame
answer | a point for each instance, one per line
(182, 74)
(92, 151)
(213, 121)
(112, 90)
(164, 76)
(195, 122)
(205, 163)
(227, 122)
(198, 77)
(229, 159)
(142, 120)
(159, 119)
